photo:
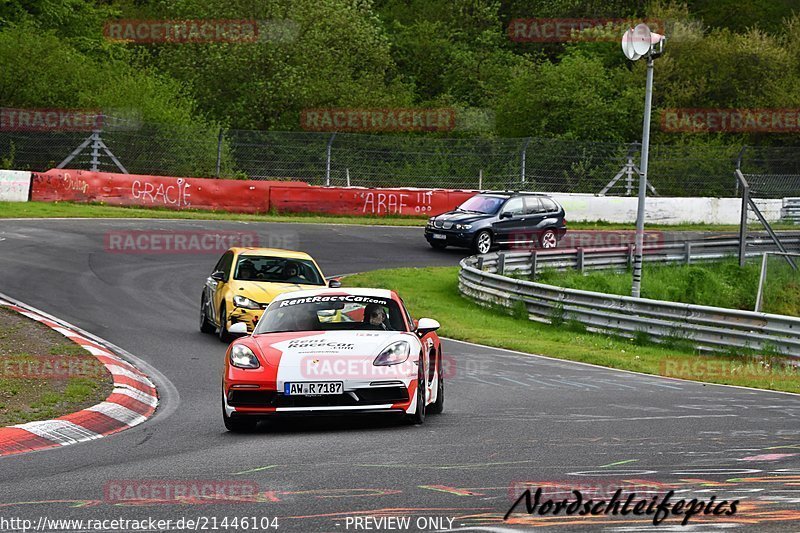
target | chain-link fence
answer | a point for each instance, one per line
(342, 159)
(771, 172)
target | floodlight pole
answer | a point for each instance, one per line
(637, 257)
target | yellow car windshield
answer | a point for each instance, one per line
(277, 270)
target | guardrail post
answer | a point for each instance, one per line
(630, 255)
(688, 250)
(479, 266)
(580, 259)
(501, 264)
(534, 264)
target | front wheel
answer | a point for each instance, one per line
(419, 416)
(548, 239)
(205, 325)
(438, 406)
(224, 336)
(483, 242)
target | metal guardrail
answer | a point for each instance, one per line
(710, 328)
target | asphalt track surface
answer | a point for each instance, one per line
(510, 418)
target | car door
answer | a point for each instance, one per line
(511, 220)
(536, 213)
(216, 289)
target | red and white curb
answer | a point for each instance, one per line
(133, 400)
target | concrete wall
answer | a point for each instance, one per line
(15, 185)
(661, 210)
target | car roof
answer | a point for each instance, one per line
(355, 291)
(276, 252)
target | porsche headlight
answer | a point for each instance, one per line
(463, 226)
(394, 354)
(246, 303)
(243, 357)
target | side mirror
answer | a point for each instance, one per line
(506, 214)
(426, 325)
(334, 283)
(219, 275)
(239, 328)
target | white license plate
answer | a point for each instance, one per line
(312, 388)
(439, 236)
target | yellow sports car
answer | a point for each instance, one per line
(245, 280)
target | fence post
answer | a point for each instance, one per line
(524, 151)
(96, 150)
(743, 220)
(501, 263)
(328, 161)
(739, 167)
(480, 179)
(219, 151)
(347, 175)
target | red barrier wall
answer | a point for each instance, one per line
(366, 201)
(240, 196)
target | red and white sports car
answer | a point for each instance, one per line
(333, 351)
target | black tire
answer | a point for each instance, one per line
(224, 336)
(483, 242)
(438, 406)
(419, 417)
(548, 239)
(241, 424)
(205, 325)
(437, 245)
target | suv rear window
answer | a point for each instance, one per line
(549, 205)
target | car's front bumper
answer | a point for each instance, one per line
(451, 237)
(358, 397)
(249, 316)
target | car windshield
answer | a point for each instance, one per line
(277, 270)
(482, 204)
(331, 313)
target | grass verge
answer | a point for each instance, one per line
(76, 210)
(718, 284)
(44, 375)
(433, 292)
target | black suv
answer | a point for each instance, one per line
(499, 218)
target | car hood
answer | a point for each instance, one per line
(289, 349)
(265, 291)
(461, 217)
